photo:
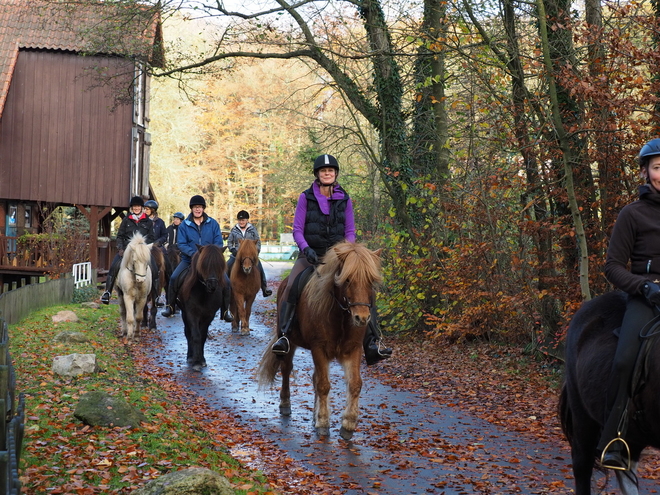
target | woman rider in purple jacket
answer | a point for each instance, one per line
(324, 217)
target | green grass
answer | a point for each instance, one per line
(62, 455)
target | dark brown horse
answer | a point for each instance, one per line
(590, 347)
(158, 271)
(202, 294)
(245, 283)
(332, 316)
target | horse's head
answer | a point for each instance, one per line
(209, 264)
(137, 256)
(356, 273)
(247, 255)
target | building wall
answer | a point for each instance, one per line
(64, 138)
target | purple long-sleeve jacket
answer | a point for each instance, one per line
(300, 216)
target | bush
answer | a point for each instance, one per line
(85, 294)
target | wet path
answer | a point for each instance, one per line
(403, 445)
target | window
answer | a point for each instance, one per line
(28, 216)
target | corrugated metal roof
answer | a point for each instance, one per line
(84, 26)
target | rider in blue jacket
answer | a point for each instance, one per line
(198, 229)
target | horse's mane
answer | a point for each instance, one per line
(247, 249)
(137, 248)
(345, 261)
(207, 262)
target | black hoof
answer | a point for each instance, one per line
(345, 434)
(285, 410)
(323, 431)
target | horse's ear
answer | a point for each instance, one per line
(377, 252)
(199, 248)
(150, 245)
(223, 248)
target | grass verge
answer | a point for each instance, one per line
(62, 455)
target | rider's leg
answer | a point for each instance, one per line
(226, 300)
(172, 288)
(638, 313)
(110, 280)
(230, 263)
(287, 309)
(265, 291)
(374, 350)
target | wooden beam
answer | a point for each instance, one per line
(94, 215)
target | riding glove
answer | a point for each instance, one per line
(233, 251)
(313, 259)
(652, 293)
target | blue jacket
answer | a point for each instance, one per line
(190, 235)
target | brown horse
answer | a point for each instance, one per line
(332, 316)
(245, 283)
(590, 346)
(158, 271)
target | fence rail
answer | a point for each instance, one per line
(17, 304)
(13, 414)
(82, 274)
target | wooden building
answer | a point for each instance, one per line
(74, 118)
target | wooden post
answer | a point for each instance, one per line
(94, 214)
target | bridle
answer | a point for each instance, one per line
(250, 259)
(348, 304)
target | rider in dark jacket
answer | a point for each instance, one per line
(160, 230)
(324, 216)
(173, 229)
(635, 243)
(245, 230)
(136, 221)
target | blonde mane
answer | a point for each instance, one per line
(138, 249)
(344, 262)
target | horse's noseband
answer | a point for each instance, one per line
(210, 283)
(132, 270)
(348, 304)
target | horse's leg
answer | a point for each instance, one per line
(353, 381)
(122, 312)
(248, 311)
(285, 392)
(233, 307)
(154, 309)
(321, 392)
(583, 439)
(245, 325)
(628, 479)
(129, 306)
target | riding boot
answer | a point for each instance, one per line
(265, 291)
(374, 350)
(171, 301)
(110, 282)
(226, 300)
(614, 451)
(287, 311)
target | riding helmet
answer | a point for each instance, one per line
(243, 215)
(650, 149)
(325, 161)
(179, 215)
(151, 204)
(197, 200)
(136, 201)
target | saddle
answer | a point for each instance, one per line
(299, 284)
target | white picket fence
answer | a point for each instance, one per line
(82, 274)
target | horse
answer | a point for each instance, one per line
(172, 260)
(245, 283)
(158, 272)
(202, 293)
(134, 281)
(332, 315)
(590, 346)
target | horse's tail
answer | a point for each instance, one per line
(268, 366)
(564, 412)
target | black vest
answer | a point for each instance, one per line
(323, 231)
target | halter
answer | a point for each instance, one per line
(254, 263)
(132, 270)
(349, 304)
(205, 282)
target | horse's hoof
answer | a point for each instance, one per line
(197, 367)
(285, 410)
(323, 431)
(245, 332)
(345, 434)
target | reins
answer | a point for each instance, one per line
(349, 304)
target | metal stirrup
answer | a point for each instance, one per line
(618, 468)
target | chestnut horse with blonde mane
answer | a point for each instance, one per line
(245, 283)
(332, 315)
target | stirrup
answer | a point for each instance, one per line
(105, 297)
(605, 452)
(281, 352)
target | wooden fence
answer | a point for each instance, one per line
(19, 303)
(13, 416)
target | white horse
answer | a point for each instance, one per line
(134, 284)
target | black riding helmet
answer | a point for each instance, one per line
(136, 201)
(197, 200)
(151, 204)
(243, 215)
(325, 161)
(650, 149)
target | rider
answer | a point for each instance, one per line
(160, 230)
(635, 239)
(173, 229)
(198, 229)
(136, 221)
(324, 216)
(245, 230)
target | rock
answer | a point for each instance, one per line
(90, 304)
(193, 481)
(101, 409)
(74, 364)
(64, 316)
(71, 337)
